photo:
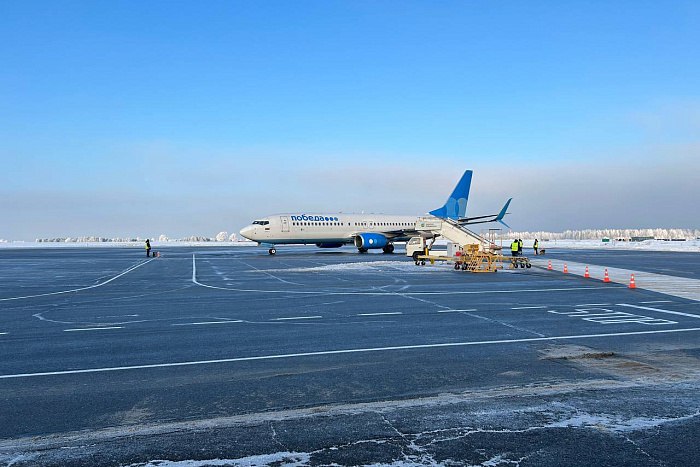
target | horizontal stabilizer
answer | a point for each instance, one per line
(503, 212)
(489, 218)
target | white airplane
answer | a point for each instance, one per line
(365, 231)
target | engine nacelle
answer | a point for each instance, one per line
(369, 241)
(329, 245)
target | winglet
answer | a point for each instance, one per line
(456, 205)
(503, 212)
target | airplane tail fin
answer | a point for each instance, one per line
(456, 205)
(503, 212)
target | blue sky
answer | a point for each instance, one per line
(142, 118)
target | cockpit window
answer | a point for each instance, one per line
(261, 222)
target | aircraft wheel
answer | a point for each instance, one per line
(362, 250)
(272, 251)
(389, 249)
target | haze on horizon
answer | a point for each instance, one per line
(133, 118)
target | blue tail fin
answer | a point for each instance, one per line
(503, 212)
(456, 205)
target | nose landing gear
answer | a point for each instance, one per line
(272, 251)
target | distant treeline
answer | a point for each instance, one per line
(597, 234)
(220, 237)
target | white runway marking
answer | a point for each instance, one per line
(298, 317)
(658, 301)
(594, 304)
(93, 329)
(118, 316)
(81, 288)
(380, 314)
(344, 351)
(527, 307)
(270, 274)
(207, 322)
(332, 292)
(660, 310)
(455, 311)
(3, 333)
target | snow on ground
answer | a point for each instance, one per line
(155, 244)
(647, 245)
(366, 266)
(290, 459)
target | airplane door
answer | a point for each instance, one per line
(285, 223)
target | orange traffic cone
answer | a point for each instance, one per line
(566, 269)
(549, 266)
(632, 284)
(606, 278)
(585, 274)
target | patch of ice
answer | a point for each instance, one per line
(287, 459)
(11, 460)
(379, 266)
(610, 422)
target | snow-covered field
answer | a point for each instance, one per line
(646, 245)
(154, 244)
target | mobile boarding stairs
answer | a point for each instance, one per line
(473, 252)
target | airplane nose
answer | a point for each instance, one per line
(248, 232)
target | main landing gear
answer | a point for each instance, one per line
(389, 249)
(272, 251)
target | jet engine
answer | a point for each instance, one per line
(369, 241)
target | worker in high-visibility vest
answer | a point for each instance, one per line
(148, 248)
(536, 247)
(514, 248)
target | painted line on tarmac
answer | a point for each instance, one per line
(380, 314)
(527, 307)
(658, 301)
(342, 352)
(93, 329)
(207, 322)
(660, 310)
(297, 317)
(455, 311)
(81, 288)
(594, 304)
(3, 333)
(447, 292)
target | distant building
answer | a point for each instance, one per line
(640, 239)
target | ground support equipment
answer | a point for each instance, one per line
(477, 261)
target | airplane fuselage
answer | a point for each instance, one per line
(326, 230)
